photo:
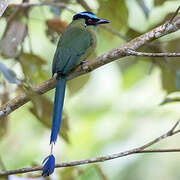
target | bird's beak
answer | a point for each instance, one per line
(103, 21)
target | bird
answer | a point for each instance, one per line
(76, 43)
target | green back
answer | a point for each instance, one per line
(73, 43)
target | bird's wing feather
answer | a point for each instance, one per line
(72, 45)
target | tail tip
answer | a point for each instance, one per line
(49, 165)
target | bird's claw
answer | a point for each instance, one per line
(83, 65)
(83, 62)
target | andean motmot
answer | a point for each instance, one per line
(76, 43)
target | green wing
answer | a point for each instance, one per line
(73, 43)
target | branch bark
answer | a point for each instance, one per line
(114, 54)
(137, 150)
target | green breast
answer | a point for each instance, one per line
(92, 31)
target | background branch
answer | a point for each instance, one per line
(46, 3)
(140, 149)
(3, 6)
(84, 5)
(108, 57)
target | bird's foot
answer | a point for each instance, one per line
(84, 66)
(83, 62)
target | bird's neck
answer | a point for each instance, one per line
(81, 24)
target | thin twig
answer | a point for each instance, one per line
(174, 15)
(137, 150)
(46, 3)
(130, 52)
(101, 173)
(91, 65)
(143, 6)
(88, 161)
(84, 5)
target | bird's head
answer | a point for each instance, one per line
(90, 18)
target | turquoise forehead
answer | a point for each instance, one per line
(87, 14)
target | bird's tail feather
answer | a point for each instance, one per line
(58, 107)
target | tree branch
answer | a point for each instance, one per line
(89, 66)
(130, 52)
(137, 150)
(3, 6)
(174, 15)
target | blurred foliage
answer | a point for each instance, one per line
(42, 110)
(32, 66)
(144, 7)
(113, 109)
(14, 29)
(158, 2)
(4, 121)
(9, 74)
(55, 27)
(78, 83)
(119, 19)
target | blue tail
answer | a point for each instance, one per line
(58, 107)
(49, 161)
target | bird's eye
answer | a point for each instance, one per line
(90, 20)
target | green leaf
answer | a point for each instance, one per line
(158, 2)
(32, 66)
(9, 74)
(170, 77)
(14, 35)
(168, 80)
(170, 68)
